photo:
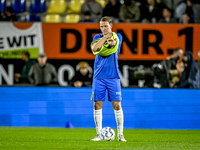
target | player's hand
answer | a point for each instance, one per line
(111, 42)
(109, 35)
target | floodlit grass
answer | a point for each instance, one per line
(13, 138)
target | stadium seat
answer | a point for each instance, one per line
(32, 18)
(72, 18)
(57, 7)
(102, 2)
(19, 6)
(75, 6)
(52, 18)
(2, 5)
(37, 6)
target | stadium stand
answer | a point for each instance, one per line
(2, 5)
(102, 2)
(72, 18)
(19, 6)
(52, 18)
(23, 8)
(37, 6)
(57, 7)
(32, 18)
(75, 6)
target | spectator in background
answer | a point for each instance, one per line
(198, 62)
(196, 10)
(83, 77)
(189, 11)
(112, 10)
(185, 7)
(171, 3)
(8, 15)
(94, 8)
(179, 10)
(186, 19)
(23, 77)
(140, 2)
(167, 16)
(42, 73)
(167, 69)
(177, 68)
(190, 75)
(129, 12)
(87, 18)
(152, 12)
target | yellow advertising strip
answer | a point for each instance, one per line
(17, 54)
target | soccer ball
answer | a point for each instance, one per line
(107, 134)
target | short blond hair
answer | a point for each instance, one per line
(83, 64)
(106, 19)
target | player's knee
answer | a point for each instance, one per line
(117, 106)
(97, 105)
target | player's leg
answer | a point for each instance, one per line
(119, 117)
(98, 96)
(114, 95)
(98, 115)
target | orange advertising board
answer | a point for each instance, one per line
(140, 41)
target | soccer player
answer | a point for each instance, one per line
(106, 47)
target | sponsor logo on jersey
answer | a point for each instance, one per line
(118, 93)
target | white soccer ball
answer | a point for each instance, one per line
(107, 134)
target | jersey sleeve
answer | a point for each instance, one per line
(120, 38)
(96, 37)
(120, 41)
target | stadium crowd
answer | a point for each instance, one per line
(179, 70)
(121, 11)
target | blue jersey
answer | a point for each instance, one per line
(106, 67)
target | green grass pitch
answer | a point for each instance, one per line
(20, 138)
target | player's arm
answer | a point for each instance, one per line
(97, 46)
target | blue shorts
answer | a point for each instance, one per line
(100, 86)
